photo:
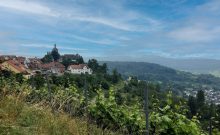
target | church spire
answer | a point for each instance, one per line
(55, 53)
(55, 48)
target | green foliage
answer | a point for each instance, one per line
(165, 76)
(110, 115)
(93, 64)
(19, 78)
(6, 73)
(37, 81)
(51, 56)
(204, 111)
(119, 108)
(167, 120)
(192, 106)
(163, 120)
(20, 118)
(69, 61)
(200, 98)
(79, 60)
(29, 117)
(47, 58)
(66, 62)
(96, 68)
(115, 76)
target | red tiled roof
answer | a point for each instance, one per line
(80, 66)
(35, 60)
(21, 59)
(35, 63)
(17, 65)
(53, 64)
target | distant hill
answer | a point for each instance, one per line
(167, 77)
(205, 66)
(194, 65)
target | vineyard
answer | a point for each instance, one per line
(104, 108)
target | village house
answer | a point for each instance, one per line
(79, 69)
(21, 60)
(54, 67)
(16, 67)
(34, 63)
(7, 57)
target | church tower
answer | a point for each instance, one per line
(55, 48)
(55, 53)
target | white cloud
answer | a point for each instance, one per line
(104, 21)
(196, 34)
(28, 6)
(118, 19)
(202, 25)
(102, 42)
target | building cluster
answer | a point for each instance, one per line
(31, 66)
(210, 95)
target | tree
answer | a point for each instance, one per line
(47, 58)
(66, 62)
(218, 116)
(192, 106)
(104, 68)
(6, 73)
(96, 68)
(74, 59)
(115, 76)
(200, 97)
(19, 78)
(80, 60)
(38, 81)
(93, 64)
(55, 53)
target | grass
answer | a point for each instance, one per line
(20, 118)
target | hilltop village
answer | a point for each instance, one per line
(51, 63)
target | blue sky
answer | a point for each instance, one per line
(111, 29)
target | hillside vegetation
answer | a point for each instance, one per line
(167, 77)
(26, 110)
(20, 118)
(101, 103)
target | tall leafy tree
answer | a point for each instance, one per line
(104, 68)
(93, 64)
(115, 76)
(47, 58)
(192, 105)
(80, 60)
(67, 61)
(19, 78)
(200, 98)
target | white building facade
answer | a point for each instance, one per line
(79, 69)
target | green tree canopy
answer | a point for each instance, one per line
(200, 98)
(192, 106)
(47, 58)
